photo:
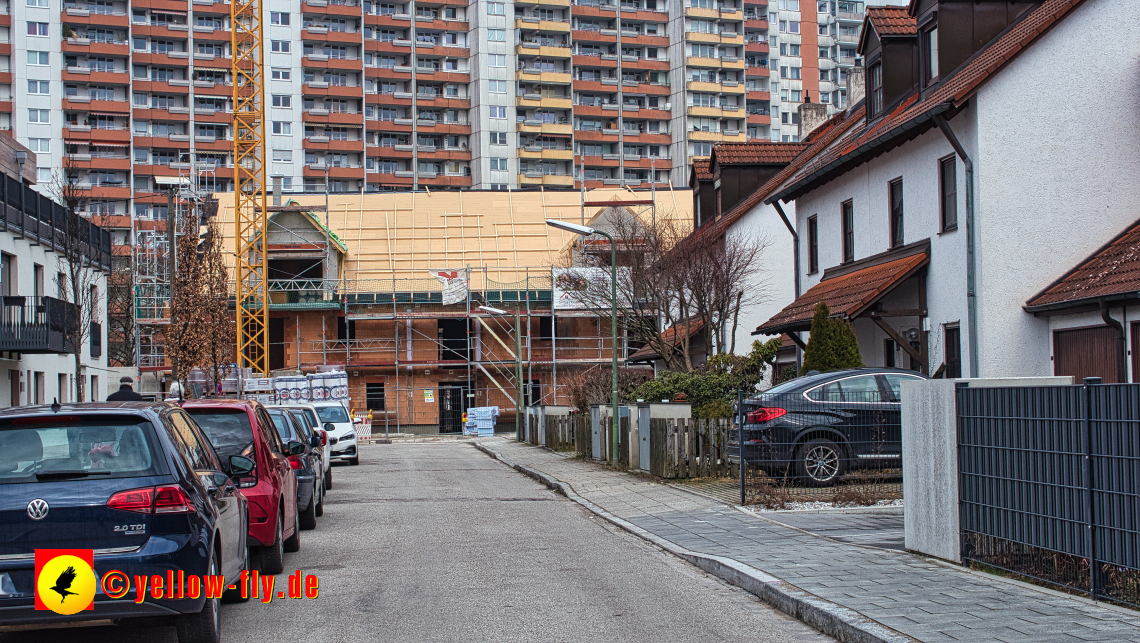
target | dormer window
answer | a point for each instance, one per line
(875, 90)
(930, 55)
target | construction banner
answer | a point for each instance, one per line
(454, 285)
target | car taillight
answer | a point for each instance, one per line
(167, 499)
(324, 437)
(136, 500)
(766, 414)
(171, 499)
(295, 462)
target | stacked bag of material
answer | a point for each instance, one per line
(481, 421)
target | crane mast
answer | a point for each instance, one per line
(251, 266)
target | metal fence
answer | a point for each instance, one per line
(1049, 484)
(840, 447)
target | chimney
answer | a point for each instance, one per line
(812, 115)
(276, 191)
(856, 85)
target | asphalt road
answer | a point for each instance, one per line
(438, 542)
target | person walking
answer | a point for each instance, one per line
(125, 392)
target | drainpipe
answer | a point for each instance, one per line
(971, 269)
(1121, 353)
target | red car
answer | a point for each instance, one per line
(239, 427)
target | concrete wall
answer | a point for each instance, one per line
(930, 460)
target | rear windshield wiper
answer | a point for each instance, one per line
(69, 473)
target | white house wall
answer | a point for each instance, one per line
(775, 276)
(1057, 175)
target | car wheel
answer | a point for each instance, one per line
(205, 626)
(321, 501)
(273, 557)
(308, 517)
(820, 462)
(235, 595)
(328, 477)
(355, 461)
(294, 542)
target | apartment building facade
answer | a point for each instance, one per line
(366, 96)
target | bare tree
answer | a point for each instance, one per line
(120, 318)
(79, 277)
(221, 331)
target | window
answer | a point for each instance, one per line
(496, 35)
(38, 116)
(948, 188)
(952, 338)
(37, 28)
(498, 111)
(279, 46)
(498, 86)
(790, 72)
(875, 90)
(498, 138)
(278, 18)
(280, 74)
(930, 55)
(896, 197)
(813, 244)
(282, 127)
(498, 164)
(853, 389)
(38, 58)
(374, 396)
(848, 210)
(39, 145)
(38, 87)
(495, 9)
(497, 60)
(281, 100)
(37, 3)
(283, 156)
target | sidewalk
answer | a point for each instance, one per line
(852, 592)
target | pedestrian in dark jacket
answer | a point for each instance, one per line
(125, 392)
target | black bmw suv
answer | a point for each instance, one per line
(816, 428)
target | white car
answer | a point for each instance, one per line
(309, 413)
(335, 420)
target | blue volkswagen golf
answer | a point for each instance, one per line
(140, 485)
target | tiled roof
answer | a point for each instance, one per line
(701, 167)
(1112, 270)
(913, 116)
(671, 336)
(755, 153)
(846, 295)
(892, 21)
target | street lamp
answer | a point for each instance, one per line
(586, 231)
(518, 368)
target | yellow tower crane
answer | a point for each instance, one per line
(251, 265)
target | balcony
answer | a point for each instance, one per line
(36, 326)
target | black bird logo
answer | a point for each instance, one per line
(63, 583)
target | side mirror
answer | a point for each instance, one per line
(329, 427)
(240, 466)
(315, 442)
(295, 448)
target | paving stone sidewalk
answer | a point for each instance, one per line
(917, 598)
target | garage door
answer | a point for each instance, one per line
(1086, 352)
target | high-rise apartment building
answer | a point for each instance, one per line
(412, 94)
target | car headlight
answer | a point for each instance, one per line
(348, 436)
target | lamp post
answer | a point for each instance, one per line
(518, 368)
(586, 231)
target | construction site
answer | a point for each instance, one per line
(431, 302)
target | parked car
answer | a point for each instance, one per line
(139, 484)
(241, 427)
(815, 428)
(306, 462)
(307, 413)
(335, 420)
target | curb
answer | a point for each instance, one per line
(843, 624)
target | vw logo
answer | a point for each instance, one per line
(38, 509)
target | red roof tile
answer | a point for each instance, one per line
(912, 116)
(1112, 270)
(892, 21)
(755, 153)
(671, 336)
(701, 167)
(846, 295)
